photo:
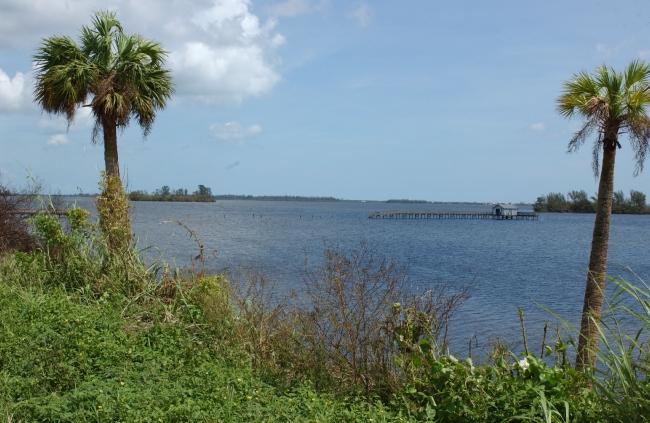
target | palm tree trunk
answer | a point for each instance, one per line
(110, 148)
(594, 291)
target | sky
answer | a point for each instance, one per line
(375, 100)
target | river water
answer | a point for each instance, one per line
(510, 264)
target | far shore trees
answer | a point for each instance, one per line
(610, 104)
(203, 195)
(580, 202)
(124, 76)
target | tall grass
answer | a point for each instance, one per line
(624, 353)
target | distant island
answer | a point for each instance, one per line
(202, 195)
(580, 202)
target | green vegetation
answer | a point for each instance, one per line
(90, 333)
(202, 194)
(579, 202)
(610, 103)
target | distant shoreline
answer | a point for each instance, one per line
(312, 199)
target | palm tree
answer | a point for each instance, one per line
(610, 104)
(123, 74)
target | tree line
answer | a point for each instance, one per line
(203, 194)
(580, 202)
(274, 198)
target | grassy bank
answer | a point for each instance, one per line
(73, 357)
(89, 333)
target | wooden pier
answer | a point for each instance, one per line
(438, 214)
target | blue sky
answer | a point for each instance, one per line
(442, 101)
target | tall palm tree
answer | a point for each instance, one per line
(124, 76)
(610, 104)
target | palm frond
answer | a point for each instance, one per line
(576, 94)
(63, 75)
(595, 155)
(98, 40)
(636, 73)
(639, 133)
(611, 84)
(581, 136)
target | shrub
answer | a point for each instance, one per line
(15, 231)
(360, 316)
(113, 210)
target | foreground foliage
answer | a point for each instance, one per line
(92, 334)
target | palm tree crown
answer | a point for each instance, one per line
(610, 103)
(123, 74)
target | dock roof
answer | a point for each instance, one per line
(505, 206)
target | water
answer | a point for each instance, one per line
(509, 264)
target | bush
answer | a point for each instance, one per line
(113, 210)
(359, 313)
(15, 233)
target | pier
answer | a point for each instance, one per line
(438, 214)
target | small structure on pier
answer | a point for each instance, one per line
(504, 210)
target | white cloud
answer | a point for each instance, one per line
(540, 126)
(602, 48)
(57, 140)
(292, 8)
(14, 92)
(232, 131)
(83, 120)
(606, 50)
(363, 14)
(220, 52)
(223, 75)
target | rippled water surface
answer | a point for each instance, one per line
(509, 263)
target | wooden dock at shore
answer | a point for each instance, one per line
(446, 214)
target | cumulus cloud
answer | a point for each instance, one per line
(220, 52)
(363, 14)
(14, 92)
(233, 131)
(57, 140)
(540, 126)
(292, 8)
